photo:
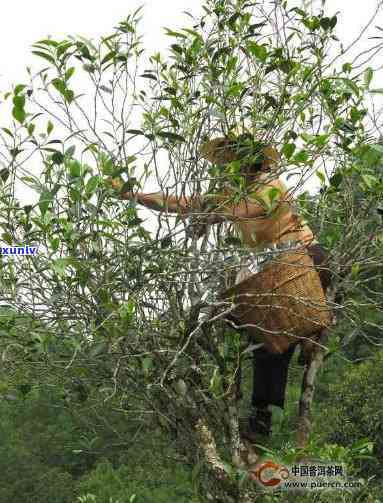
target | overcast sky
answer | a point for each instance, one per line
(24, 22)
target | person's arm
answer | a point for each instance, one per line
(159, 201)
(226, 208)
(218, 207)
(222, 208)
(244, 210)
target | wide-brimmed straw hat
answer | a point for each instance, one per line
(224, 150)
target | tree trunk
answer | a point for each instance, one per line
(307, 391)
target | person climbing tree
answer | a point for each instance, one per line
(260, 227)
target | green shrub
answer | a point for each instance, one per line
(149, 485)
(353, 413)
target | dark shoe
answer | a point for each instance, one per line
(305, 353)
(301, 359)
(247, 434)
(259, 423)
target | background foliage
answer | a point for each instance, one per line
(109, 359)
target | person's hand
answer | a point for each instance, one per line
(116, 183)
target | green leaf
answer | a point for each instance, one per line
(363, 444)
(149, 76)
(147, 364)
(19, 114)
(70, 151)
(171, 33)
(322, 139)
(84, 50)
(74, 168)
(134, 131)
(4, 174)
(312, 23)
(15, 151)
(74, 195)
(43, 55)
(180, 387)
(107, 166)
(126, 310)
(351, 85)
(19, 101)
(192, 32)
(90, 68)
(7, 238)
(92, 184)
(336, 180)
(286, 66)
(215, 382)
(377, 91)
(48, 42)
(377, 147)
(369, 180)
(63, 47)
(321, 177)
(166, 242)
(59, 85)
(273, 193)
(308, 138)
(232, 240)
(299, 11)
(288, 149)
(368, 75)
(45, 200)
(99, 349)
(326, 23)
(301, 156)
(235, 89)
(49, 128)
(69, 96)
(231, 64)
(6, 130)
(333, 21)
(19, 88)
(108, 57)
(48, 149)
(355, 270)
(55, 243)
(177, 48)
(171, 136)
(58, 158)
(259, 51)
(59, 266)
(69, 73)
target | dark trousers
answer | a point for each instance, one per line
(270, 370)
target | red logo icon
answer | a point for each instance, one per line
(269, 474)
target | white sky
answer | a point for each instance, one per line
(24, 22)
